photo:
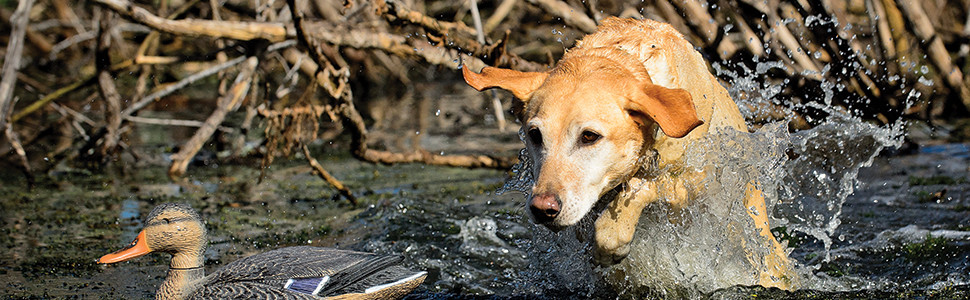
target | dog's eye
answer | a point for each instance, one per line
(535, 136)
(588, 137)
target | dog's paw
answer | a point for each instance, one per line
(607, 257)
(611, 247)
(612, 241)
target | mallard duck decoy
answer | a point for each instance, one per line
(302, 272)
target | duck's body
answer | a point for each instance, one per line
(288, 273)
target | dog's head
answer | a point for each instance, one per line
(587, 122)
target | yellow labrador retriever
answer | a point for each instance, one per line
(623, 103)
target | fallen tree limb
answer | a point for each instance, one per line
(246, 31)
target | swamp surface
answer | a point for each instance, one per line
(905, 232)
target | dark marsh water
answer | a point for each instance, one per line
(905, 232)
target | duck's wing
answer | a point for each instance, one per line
(248, 290)
(311, 271)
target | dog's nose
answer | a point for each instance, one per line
(544, 207)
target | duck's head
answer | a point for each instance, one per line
(171, 228)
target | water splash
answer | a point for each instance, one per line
(522, 178)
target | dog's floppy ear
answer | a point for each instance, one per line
(672, 109)
(521, 84)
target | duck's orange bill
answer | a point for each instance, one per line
(137, 248)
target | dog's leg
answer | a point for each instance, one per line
(616, 225)
(778, 271)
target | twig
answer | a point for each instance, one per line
(707, 29)
(246, 31)
(195, 77)
(444, 35)
(51, 97)
(333, 181)
(360, 39)
(71, 41)
(477, 19)
(172, 122)
(156, 60)
(11, 63)
(21, 154)
(878, 13)
(78, 117)
(499, 14)
(570, 15)
(395, 11)
(227, 103)
(751, 40)
(180, 84)
(108, 89)
(785, 36)
(37, 39)
(897, 26)
(672, 17)
(936, 50)
(12, 59)
(857, 49)
(66, 13)
(593, 12)
(496, 103)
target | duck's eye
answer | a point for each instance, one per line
(588, 137)
(535, 136)
(167, 221)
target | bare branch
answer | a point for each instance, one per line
(246, 31)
